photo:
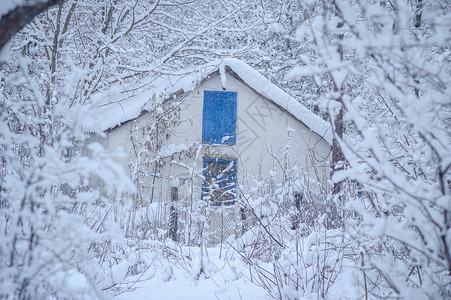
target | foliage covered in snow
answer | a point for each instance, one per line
(73, 225)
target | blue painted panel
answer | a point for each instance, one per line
(219, 117)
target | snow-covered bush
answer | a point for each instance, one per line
(47, 193)
(391, 83)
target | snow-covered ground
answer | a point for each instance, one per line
(224, 280)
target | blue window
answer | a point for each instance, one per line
(219, 117)
(220, 181)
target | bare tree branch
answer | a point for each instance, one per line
(20, 16)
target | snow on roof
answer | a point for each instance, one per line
(115, 107)
(267, 89)
(122, 107)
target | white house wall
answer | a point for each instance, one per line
(264, 133)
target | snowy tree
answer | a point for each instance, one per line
(46, 192)
(53, 214)
(395, 76)
(16, 14)
(379, 69)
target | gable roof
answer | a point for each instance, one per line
(266, 88)
(123, 107)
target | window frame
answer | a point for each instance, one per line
(232, 176)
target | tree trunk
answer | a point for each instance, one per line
(337, 154)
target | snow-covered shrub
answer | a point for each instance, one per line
(391, 87)
(47, 193)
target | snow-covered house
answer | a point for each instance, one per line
(216, 134)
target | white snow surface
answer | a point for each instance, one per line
(225, 281)
(115, 107)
